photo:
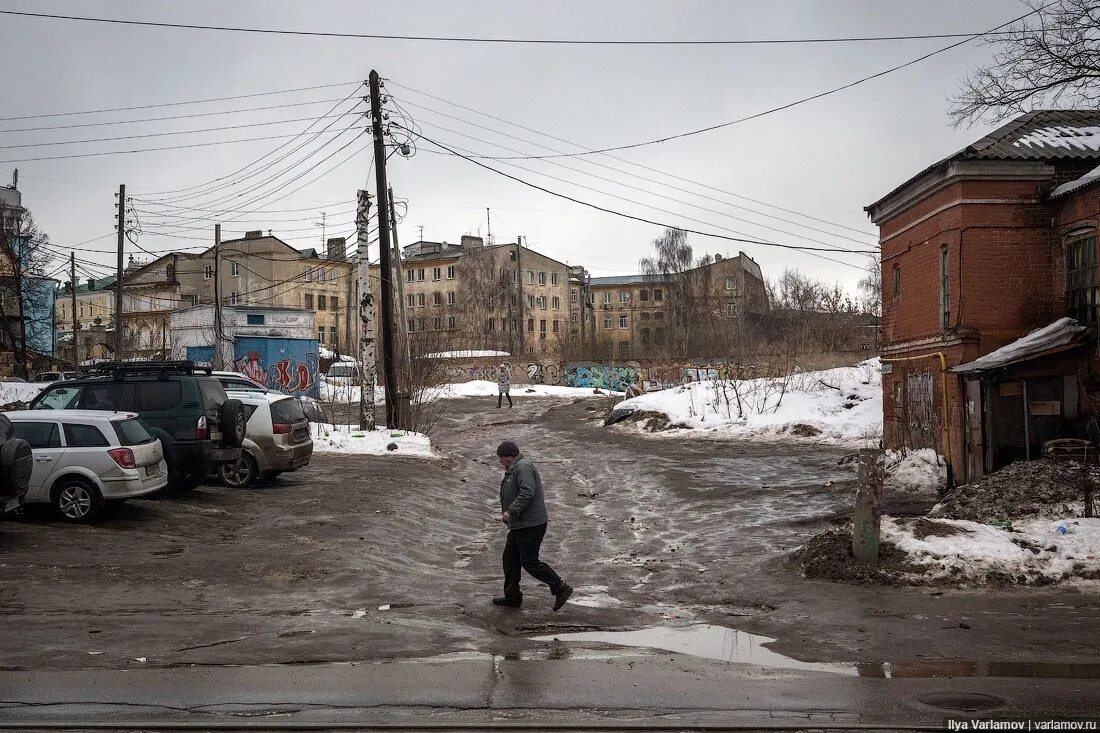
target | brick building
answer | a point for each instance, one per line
(979, 250)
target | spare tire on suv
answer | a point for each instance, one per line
(233, 424)
(16, 463)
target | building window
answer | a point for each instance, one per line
(332, 277)
(450, 323)
(555, 303)
(307, 301)
(557, 326)
(234, 298)
(607, 322)
(514, 324)
(410, 300)
(437, 324)
(1082, 297)
(491, 323)
(322, 303)
(410, 325)
(333, 303)
(657, 294)
(81, 309)
(420, 299)
(515, 274)
(643, 295)
(542, 302)
(254, 319)
(897, 281)
(731, 310)
(437, 299)
(659, 316)
(450, 272)
(530, 301)
(503, 275)
(542, 278)
(308, 275)
(321, 334)
(530, 325)
(574, 318)
(492, 302)
(572, 296)
(234, 269)
(945, 287)
(207, 272)
(409, 276)
(542, 328)
(437, 273)
(624, 296)
(194, 300)
(420, 275)
(607, 298)
(731, 283)
(515, 301)
(554, 279)
(530, 277)
(450, 297)
(624, 322)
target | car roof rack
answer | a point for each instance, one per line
(135, 368)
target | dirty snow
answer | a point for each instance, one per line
(1031, 551)
(349, 439)
(482, 388)
(916, 471)
(1044, 488)
(20, 391)
(843, 406)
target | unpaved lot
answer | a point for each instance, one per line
(361, 558)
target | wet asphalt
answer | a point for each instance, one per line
(391, 560)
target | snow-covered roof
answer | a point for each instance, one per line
(1078, 183)
(1059, 335)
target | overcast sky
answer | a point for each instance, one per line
(826, 159)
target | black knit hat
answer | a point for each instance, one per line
(507, 448)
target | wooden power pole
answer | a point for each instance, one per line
(72, 295)
(118, 271)
(393, 413)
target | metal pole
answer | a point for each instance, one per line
(393, 413)
(72, 293)
(118, 271)
(218, 332)
(367, 367)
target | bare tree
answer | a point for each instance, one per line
(673, 257)
(871, 286)
(1050, 58)
(26, 296)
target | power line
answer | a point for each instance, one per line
(472, 39)
(175, 104)
(780, 108)
(639, 218)
(166, 134)
(169, 117)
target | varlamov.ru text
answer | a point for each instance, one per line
(974, 724)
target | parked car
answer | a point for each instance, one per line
(342, 373)
(182, 405)
(55, 376)
(86, 458)
(277, 439)
(16, 464)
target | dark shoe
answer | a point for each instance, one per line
(562, 596)
(510, 602)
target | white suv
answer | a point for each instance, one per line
(85, 458)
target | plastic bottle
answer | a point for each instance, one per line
(1062, 529)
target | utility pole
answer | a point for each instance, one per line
(118, 271)
(72, 295)
(393, 413)
(218, 337)
(403, 328)
(488, 228)
(367, 367)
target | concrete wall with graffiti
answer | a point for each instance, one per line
(617, 376)
(288, 365)
(522, 372)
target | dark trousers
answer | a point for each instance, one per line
(521, 551)
(502, 395)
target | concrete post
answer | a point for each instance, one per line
(868, 510)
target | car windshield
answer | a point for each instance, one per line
(132, 432)
(58, 398)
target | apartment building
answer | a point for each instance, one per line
(471, 296)
(701, 311)
(260, 269)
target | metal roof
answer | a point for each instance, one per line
(627, 280)
(1060, 335)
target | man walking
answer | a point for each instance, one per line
(523, 512)
(504, 384)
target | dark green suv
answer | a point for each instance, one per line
(183, 405)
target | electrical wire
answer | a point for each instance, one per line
(474, 39)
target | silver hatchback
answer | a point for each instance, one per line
(277, 439)
(86, 458)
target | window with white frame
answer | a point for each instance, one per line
(234, 298)
(542, 278)
(542, 328)
(437, 299)
(437, 273)
(542, 302)
(624, 322)
(530, 277)
(554, 278)
(572, 296)
(607, 298)
(410, 324)
(624, 296)
(410, 300)
(420, 299)
(450, 297)
(420, 274)
(530, 301)
(731, 283)
(607, 322)
(234, 269)
(207, 272)
(450, 323)
(450, 272)
(409, 276)
(555, 303)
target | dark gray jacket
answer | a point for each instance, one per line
(521, 495)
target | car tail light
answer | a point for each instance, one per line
(124, 457)
(281, 428)
(201, 431)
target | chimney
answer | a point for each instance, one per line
(91, 283)
(336, 248)
(717, 258)
(471, 242)
(255, 234)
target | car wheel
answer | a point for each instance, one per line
(233, 423)
(77, 501)
(241, 473)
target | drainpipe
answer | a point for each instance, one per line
(946, 417)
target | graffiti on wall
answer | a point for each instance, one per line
(602, 376)
(287, 375)
(521, 373)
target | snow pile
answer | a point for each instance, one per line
(350, 439)
(1033, 551)
(12, 392)
(914, 471)
(836, 405)
(1046, 488)
(1062, 332)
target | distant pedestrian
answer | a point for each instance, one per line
(523, 512)
(504, 384)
